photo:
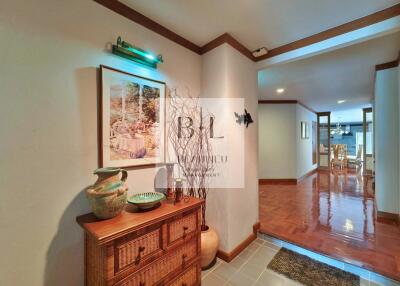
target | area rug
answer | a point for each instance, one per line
(309, 271)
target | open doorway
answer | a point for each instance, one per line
(368, 141)
(334, 209)
(345, 140)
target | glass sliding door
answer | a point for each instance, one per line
(324, 145)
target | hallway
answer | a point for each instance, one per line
(332, 214)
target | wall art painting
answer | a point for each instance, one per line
(304, 130)
(132, 120)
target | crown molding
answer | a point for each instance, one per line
(227, 38)
(388, 65)
(308, 108)
(148, 23)
(336, 31)
(288, 101)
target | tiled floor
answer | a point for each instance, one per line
(332, 214)
(250, 267)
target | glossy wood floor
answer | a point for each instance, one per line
(333, 214)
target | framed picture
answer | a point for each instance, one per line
(132, 120)
(304, 130)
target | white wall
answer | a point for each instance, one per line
(282, 152)
(48, 85)
(304, 146)
(227, 73)
(277, 141)
(387, 140)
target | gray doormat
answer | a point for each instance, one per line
(310, 272)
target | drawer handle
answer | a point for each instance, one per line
(141, 249)
(185, 228)
(184, 256)
(142, 284)
(184, 284)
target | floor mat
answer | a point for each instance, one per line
(310, 272)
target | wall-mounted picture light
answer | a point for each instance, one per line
(130, 52)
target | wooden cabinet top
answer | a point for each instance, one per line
(131, 219)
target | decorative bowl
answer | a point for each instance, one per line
(146, 200)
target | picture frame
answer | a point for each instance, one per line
(131, 119)
(304, 130)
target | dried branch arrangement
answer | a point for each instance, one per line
(189, 137)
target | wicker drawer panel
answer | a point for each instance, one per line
(163, 266)
(136, 250)
(181, 227)
(188, 278)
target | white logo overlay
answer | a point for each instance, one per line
(205, 141)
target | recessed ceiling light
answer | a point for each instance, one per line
(341, 101)
(280, 90)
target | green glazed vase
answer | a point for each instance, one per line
(107, 197)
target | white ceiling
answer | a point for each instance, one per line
(322, 80)
(347, 116)
(318, 81)
(254, 23)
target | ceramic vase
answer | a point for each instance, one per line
(107, 196)
(209, 247)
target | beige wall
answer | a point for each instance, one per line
(277, 141)
(304, 146)
(48, 85)
(227, 73)
(282, 152)
(386, 134)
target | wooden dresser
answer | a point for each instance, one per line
(157, 247)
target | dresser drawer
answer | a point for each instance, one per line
(181, 227)
(138, 248)
(189, 278)
(173, 262)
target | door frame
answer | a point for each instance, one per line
(365, 111)
(323, 114)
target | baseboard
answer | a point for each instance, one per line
(286, 181)
(307, 174)
(323, 169)
(389, 218)
(256, 228)
(277, 181)
(228, 257)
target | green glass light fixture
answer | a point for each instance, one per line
(130, 52)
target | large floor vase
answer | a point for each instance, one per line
(209, 247)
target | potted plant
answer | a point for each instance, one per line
(190, 147)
